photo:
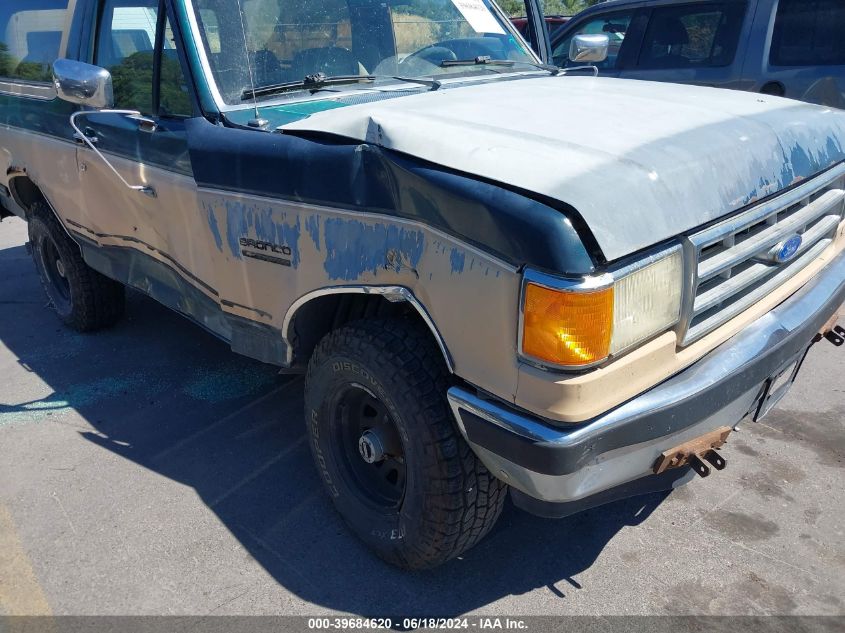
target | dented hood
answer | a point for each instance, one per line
(640, 161)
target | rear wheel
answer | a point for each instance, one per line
(383, 438)
(83, 298)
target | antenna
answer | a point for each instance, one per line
(257, 121)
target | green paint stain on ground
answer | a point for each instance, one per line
(91, 392)
(207, 384)
(219, 384)
(74, 397)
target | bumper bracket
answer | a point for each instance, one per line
(836, 336)
(693, 451)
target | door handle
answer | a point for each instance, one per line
(83, 137)
(145, 124)
(90, 136)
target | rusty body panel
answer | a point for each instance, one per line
(446, 200)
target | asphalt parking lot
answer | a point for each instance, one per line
(148, 470)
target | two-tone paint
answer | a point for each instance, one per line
(438, 199)
(330, 214)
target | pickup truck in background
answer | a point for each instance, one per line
(787, 48)
(495, 275)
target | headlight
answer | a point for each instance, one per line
(578, 324)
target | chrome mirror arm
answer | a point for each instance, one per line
(145, 189)
(591, 68)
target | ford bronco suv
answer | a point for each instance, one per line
(494, 274)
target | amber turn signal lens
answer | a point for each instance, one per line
(567, 328)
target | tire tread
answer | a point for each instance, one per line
(97, 301)
(463, 499)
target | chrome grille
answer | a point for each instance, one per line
(733, 269)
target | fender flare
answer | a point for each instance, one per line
(394, 294)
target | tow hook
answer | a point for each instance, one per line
(695, 453)
(717, 461)
(836, 335)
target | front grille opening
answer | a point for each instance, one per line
(736, 265)
(735, 303)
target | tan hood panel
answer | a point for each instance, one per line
(640, 161)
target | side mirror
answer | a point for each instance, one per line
(589, 48)
(83, 84)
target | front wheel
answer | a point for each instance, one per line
(382, 435)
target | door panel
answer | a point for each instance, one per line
(696, 44)
(805, 56)
(137, 45)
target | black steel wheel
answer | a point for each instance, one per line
(369, 446)
(387, 448)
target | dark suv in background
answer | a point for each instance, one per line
(789, 48)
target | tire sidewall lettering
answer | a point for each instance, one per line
(385, 529)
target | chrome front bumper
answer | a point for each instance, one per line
(570, 465)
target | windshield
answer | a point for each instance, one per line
(282, 41)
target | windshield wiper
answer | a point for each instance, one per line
(486, 60)
(313, 83)
(319, 81)
(431, 83)
(481, 60)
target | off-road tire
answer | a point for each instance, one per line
(450, 500)
(84, 299)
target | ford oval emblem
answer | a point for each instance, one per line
(784, 251)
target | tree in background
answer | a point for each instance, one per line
(8, 64)
(515, 8)
(132, 80)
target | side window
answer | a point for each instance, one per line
(126, 48)
(30, 39)
(614, 25)
(809, 33)
(692, 37)
(174, 99)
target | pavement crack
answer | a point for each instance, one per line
(763, 554)
(232, 599)
(258, 471)
(67, 516)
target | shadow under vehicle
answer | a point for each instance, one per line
(380, 196)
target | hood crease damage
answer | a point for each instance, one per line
(641, 162)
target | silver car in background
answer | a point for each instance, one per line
(786, 48)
